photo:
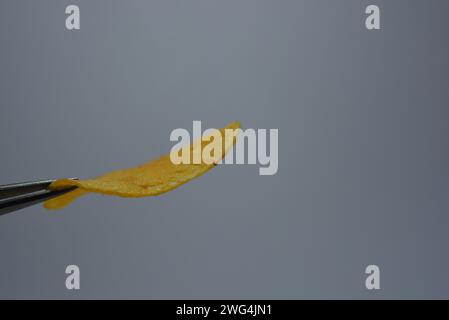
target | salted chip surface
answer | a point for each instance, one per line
(152, 178)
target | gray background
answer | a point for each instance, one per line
(364, 163)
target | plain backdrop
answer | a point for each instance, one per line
(363, 147)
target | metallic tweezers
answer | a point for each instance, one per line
(21, 195)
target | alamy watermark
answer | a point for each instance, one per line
(253, 146)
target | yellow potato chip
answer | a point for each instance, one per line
(150, 179)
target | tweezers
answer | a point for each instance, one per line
(21, 195)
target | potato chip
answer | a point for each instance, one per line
(150, 179)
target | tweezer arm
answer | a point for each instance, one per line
(21, 195)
